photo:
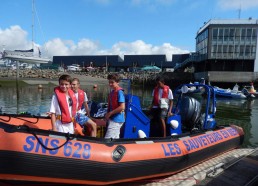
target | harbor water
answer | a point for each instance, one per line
(36, 101)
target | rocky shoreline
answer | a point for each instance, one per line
(45, 76)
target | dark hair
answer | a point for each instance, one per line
(65, 77)
(114, 77)
(161, 79)
(76, 79)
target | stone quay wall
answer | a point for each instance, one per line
(147, 78)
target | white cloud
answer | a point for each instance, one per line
(14, 38)
(236, 4)
(140, 47)
(59, 47)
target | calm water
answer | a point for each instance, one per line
(37, 101)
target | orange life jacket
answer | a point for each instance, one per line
(113, 99)
(81, 98)
(156, 94)
(61, 97)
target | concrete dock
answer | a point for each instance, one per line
(237, 167)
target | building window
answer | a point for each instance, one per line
(241, 54)
(253, 51)
(225, 51)
(226, 34)
(254, 35)
(237, 36)
(230, 51)
(248, 34)
(236, 49)
(247, 51)
(214, 34)
(201, 43)
(230, 48)
(219, 49)
(243, 34)
(221, 34)
(214, 49)
(231, 34)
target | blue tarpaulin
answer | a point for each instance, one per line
(151, 68)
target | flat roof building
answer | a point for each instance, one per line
(228, 45)
(225, 46)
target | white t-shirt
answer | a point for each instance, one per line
(170, 95)
(54, 108)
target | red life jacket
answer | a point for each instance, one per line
(61, 97)
(81, 97)
(113, 99)
(156, 94)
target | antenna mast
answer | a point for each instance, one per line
(239, 12)
(32, 25)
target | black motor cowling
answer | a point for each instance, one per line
(190, 111)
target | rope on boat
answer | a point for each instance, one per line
(67, 135)
(6, 120)
(28, 120)
(19, 117)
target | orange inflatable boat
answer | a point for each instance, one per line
(30, 151)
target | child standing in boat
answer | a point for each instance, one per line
(116, 106)
(63, 106)
(162, 103)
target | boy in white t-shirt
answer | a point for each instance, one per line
(63, 106)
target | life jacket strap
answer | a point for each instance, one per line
(58, 117)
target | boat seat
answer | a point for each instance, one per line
(135, 119)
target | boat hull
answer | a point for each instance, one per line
(229, 94)
(25, 59)
(86, 160)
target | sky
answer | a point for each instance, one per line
(113, 27)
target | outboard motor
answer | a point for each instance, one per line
(190, 111)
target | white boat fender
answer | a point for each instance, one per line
(174, 134)
(174, 124)
(141, 134)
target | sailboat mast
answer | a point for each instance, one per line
(32, 25)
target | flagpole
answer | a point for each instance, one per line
(106, 65)
(17, 86)
(32, 25)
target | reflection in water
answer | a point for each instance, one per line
(238, 112)
(17, 94)
(26, 99)
(37, 101)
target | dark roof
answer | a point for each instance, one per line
(143, 60)
(179, 58)
(95, 60)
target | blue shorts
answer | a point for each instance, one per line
(81, 119)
